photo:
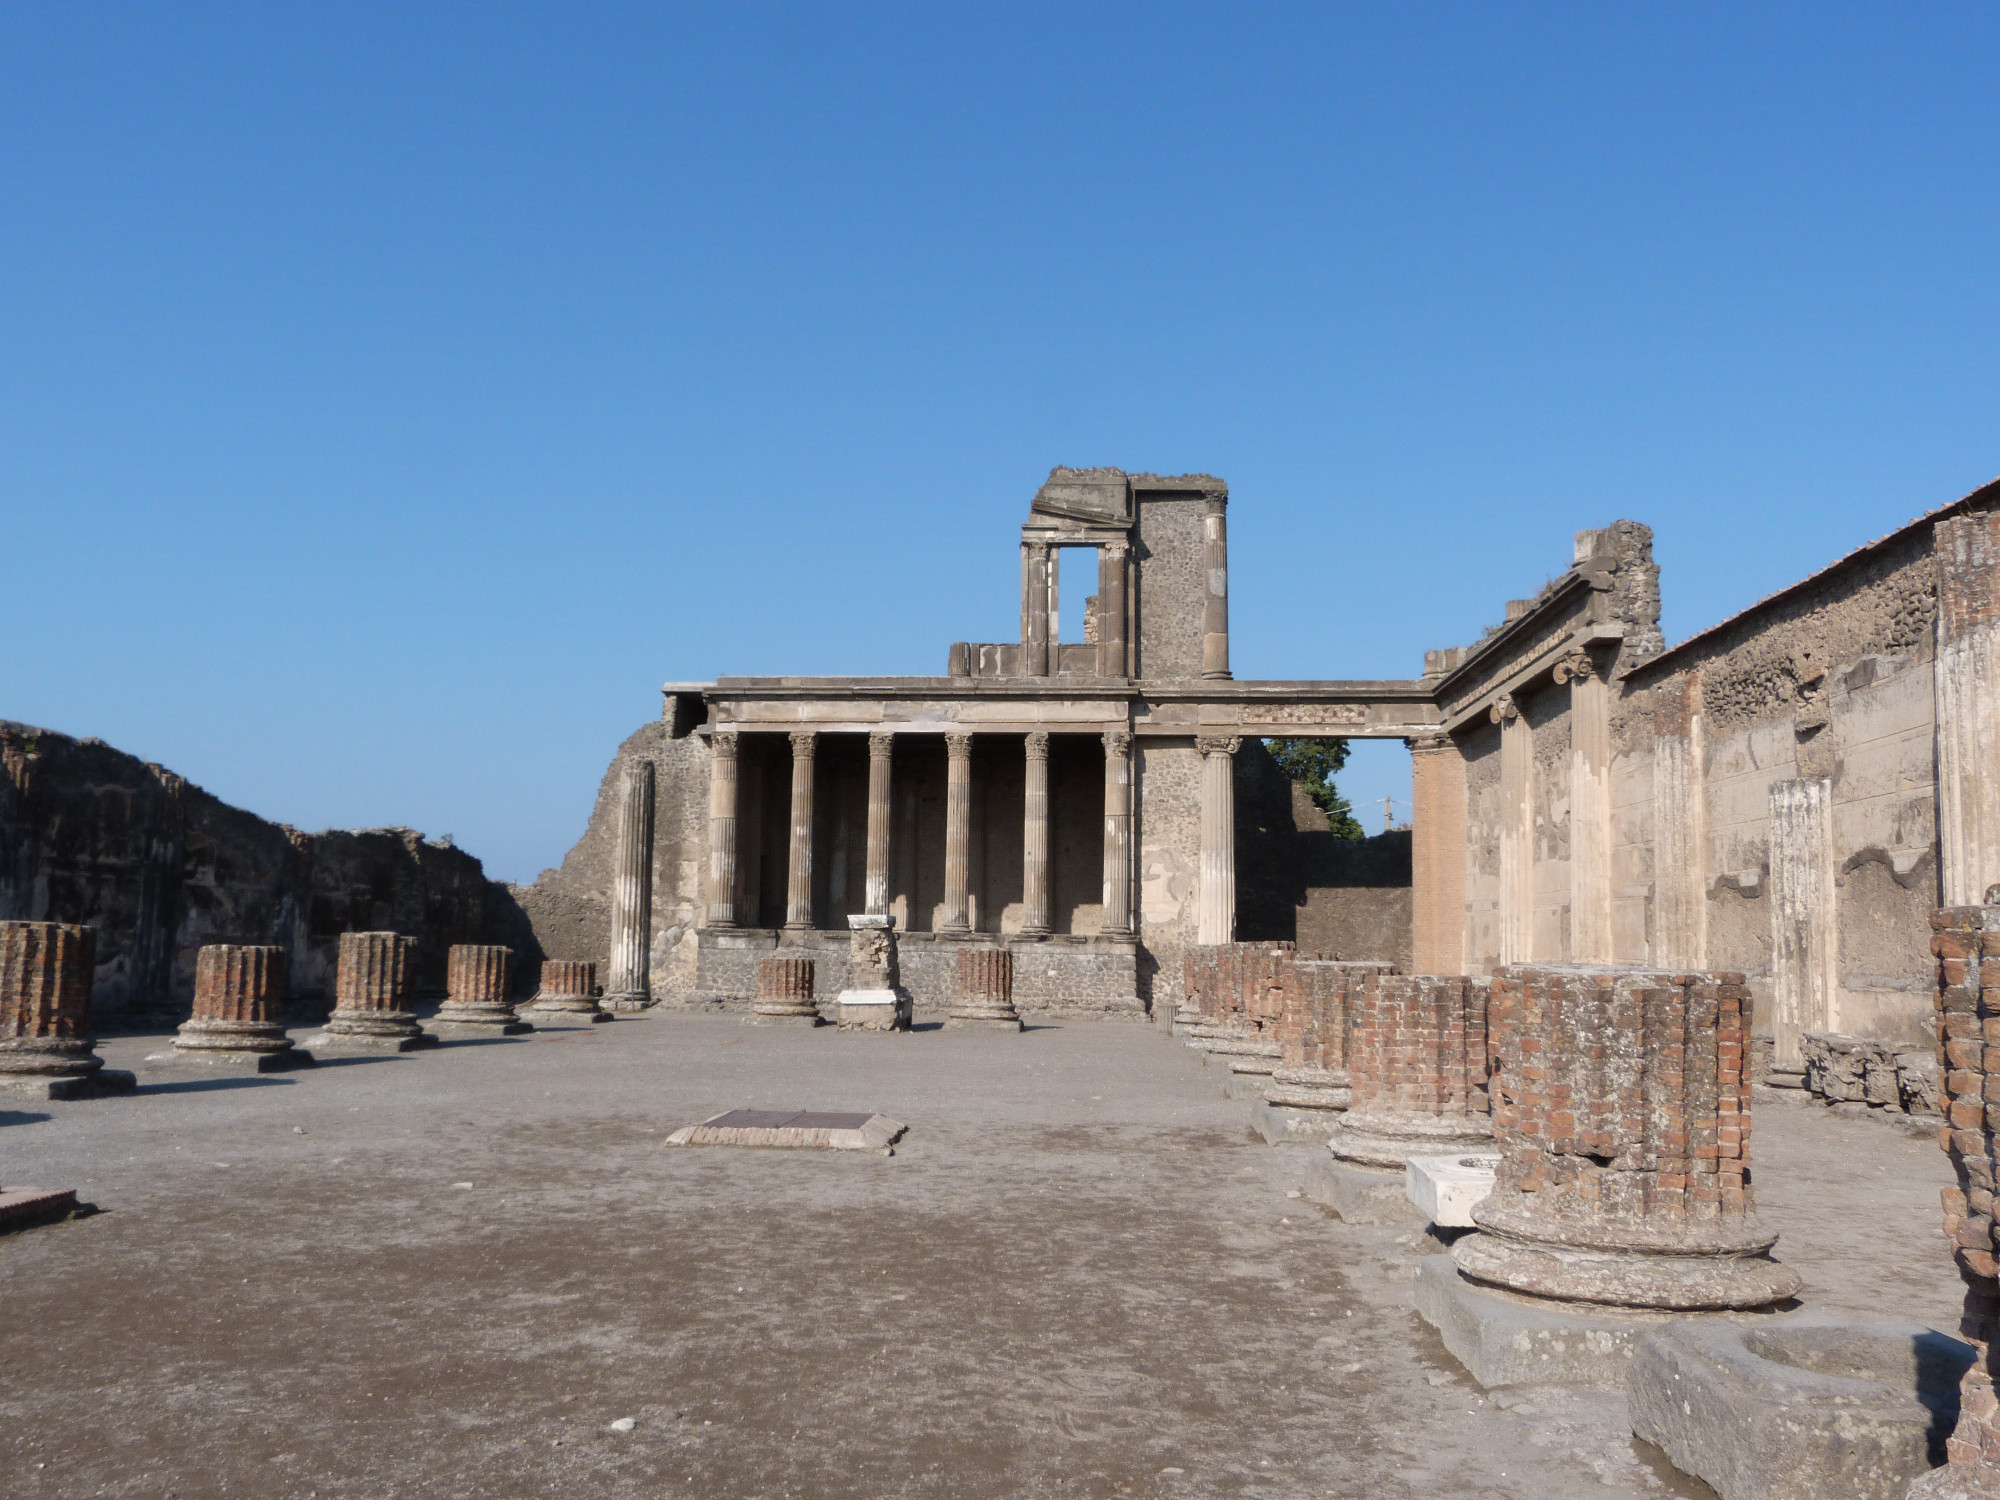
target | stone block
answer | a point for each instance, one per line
(246, 1062)
(1798, 1409)
(1504, 1339)
(1360, 1195)
(25, 1207)
(1446, 1189)
(1291, 1127)
(872, 1010)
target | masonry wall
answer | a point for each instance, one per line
(1167, 795)
(1172, 589)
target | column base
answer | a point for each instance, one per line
(1386, 1140)
(585, 1011)
(802, 1019)
(467, 1031)
(629, 1004)
(224, 1057)
(103, 1084)
(992, 1018)
(349, 1041)
(874, 1010)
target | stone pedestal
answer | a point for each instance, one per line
(238, 1021)
(1417, 1061)
(631, 985)
(785, 993)
(1621, 1113)
(568, 992)
(479, 993)
(874, 999)
(373, 987)
(985, 990)
(46, 1050)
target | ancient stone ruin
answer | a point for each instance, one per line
(239, 1012)
(785, 992)
(373, 993)
(985, 990)
(46, 1049)
(569, 991)
(479, 993)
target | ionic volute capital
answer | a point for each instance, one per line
(1504, 710)
(1218, 744)
(1578, 666)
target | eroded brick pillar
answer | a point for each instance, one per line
(239, 1010)
(479, 992)
(1240, 989)
(1417, 1056)
(1621, 1112)
(785, 991)
(1312, 1071)
(569, 988)
(46, 972)
(632, 893)
(373, 987)
(985, 990)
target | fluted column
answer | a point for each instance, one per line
(1117, 832)
(876, 888)
(632, 893)
(1589, 808)
(799, 871)
(1218, 838)
(46, 971)
(239, 1011)
(1035, 840)
(479, 992)
(372, 988)
(569, 990)
(957, 832)
(722, 830)
(1215, 603)
(1517, 831)
(1035, 609)
(1111, 652)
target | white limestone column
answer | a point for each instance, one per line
(1803, 918)
(722, 829)
(957, 832)
(1680, 830)
(1966, 683)
(799, 869)
(1215, 599)
(1517, 832)
(1035, 840)
(1117, 833)
(1111, 650)
(1217, 895)
(1589, 808)
(632, 891)
(875, 893)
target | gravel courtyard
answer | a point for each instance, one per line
(447, 1274)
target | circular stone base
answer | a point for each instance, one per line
(1384, 1140)
(55, 1058)
(1712, 1269)
(230, 1036)
(990, 1018)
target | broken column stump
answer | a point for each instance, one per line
(1309, 1086)
(985, 990)
(874, 999)
(373, 986)
(785, 993)
(239, 1012)
(1621, 1114)
(46, 1049)
(479, 993)
(569, 992)
(1238, 989)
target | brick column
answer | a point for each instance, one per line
(799, 867)
(1803, 917)
(372, 988)
(957, 832)
(1966, 682)
(1417, 1060)
(46, 1050)
(1437, 855)
(1035, 840)
(1517, 832)
(479, 992)
(1966, 940)
(569, 990)
(785, 992)
(1112, 657)
(1312, 1071)
(1589, 808)
(1216, 896)
(1117, 833)
(239, 1012)
(722, 829)
(985, 990)
(876, 882)
(1215, 587)
(1621, 1112)
(632, 893)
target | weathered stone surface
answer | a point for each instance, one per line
(874, 999)
(25, 1207)
(373, 990)
(1848, 1069)
(479, 998)
(985, 990)
(1791, 1410)
(631, 986)
(46, 1049)
(1417, 1061)
(1504, 1339)
(239, 1010)
(785, 991)
(793, 1128)
(1360, 1195)
(1446, 1189)
(569, 991)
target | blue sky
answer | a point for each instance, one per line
(392, 397)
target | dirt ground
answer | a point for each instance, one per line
(447, 1274)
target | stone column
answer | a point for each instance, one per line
(957, 832)
(876, 883)
(874, 999)
(1621, 1113)
(1035, 610)
(1966, 681)
(239, 1012)
(46, 1050)
(479, 993)
(785, 992)
(1217, 894)
(799, 869)
(1117, 833)
(722, 829)
(1803, 917)
(1312, 1072)
(1437, 855)
(985, 990)
(569, 990)
(1680, 826)
(1517, 832)
(1035, 840)
(1589, 808)
(373, 987)
(632, 893)
(1215, 602)
(1112, 659)
(1417, 1061)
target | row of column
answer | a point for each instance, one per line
(1040, 590)
(957, 833)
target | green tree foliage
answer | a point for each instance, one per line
(1312, 764)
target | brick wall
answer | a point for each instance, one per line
(1417, 1044)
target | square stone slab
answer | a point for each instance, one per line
(792, 1127)
(21, 1207)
